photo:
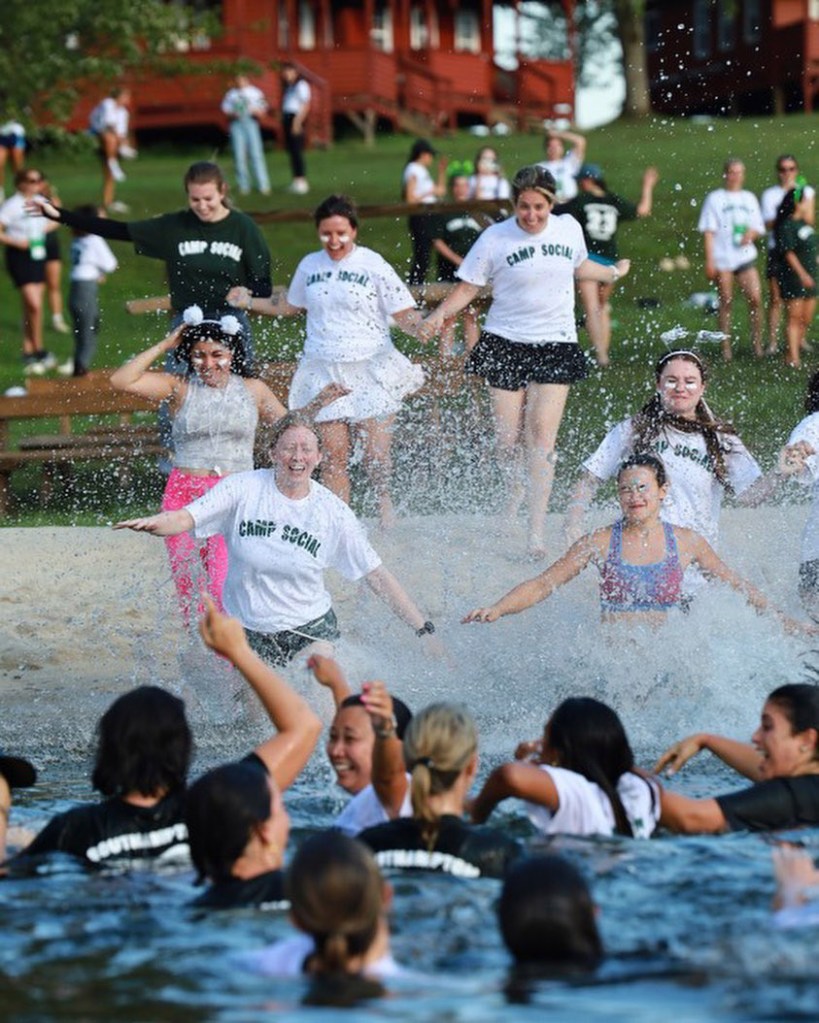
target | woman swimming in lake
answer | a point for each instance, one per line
(641, 559)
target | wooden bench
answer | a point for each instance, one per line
(91, 398)
(117, 439)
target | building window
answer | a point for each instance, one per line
(307, 26)
(467, 32)
(702, 28)
(751, 17)
(423, 34)
(381, 33)
(726, 25)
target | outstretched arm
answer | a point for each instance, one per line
(791, 463)
(742, 756)
(690, 816)
(297, 727)
(276, 305)
(519, 780)
(458, 299)
(603, 274)
(168, 523)
(542, 586)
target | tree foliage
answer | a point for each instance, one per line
(50, 49)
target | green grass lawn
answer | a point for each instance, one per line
(763, 398)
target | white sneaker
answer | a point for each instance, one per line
(59, 324)
(118, 207)
(66, 369)
(117, 173)
(299, 188)
(47, 360)
(33, 367)
(127, 152)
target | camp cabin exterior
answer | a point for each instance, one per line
(732, 56)
(416, 65)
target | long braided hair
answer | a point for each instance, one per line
(653, 418)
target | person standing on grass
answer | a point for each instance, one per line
(243, 105)
(296, 98)
(420, 188)
(563, 165)
(91, 260)
(109, 121)
(730, 222)
(796, 269)
(787, 172)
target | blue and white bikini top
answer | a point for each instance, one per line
(627, 587)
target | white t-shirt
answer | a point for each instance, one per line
(295, 96)
(286, 959)
(585, 809)
(91, 257)
(348, 303)
(239, 102)
(423, 185)
(109, 115)
(695, 495)
(532, 277)
(278, 548)
(729, 215)
(489, 186)
(17, 223)
(564, 172)
(769, 204)
(365, 810)
(808, 430)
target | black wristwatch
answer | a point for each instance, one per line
(427, 627)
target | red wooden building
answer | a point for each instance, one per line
(418, 65)
(732, 56)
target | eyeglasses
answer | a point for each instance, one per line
(783, 168)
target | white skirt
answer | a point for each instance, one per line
(377, 385)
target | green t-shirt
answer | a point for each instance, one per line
(599, 216)
(799, 238)
(204, 261)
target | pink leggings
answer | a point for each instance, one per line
(195, 564)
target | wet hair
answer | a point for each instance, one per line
(337, 897)
(799, 702)
(204, 171)
(402, 713)
(290, 420)
(588, 737)
(534, 178)
(546, 915)
(337, 206)
(438, 744)
(653, 418)
(222, 808)
(144, 744)
(812, 393)
(212, 330)
(645, 460)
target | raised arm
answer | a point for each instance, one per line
(518, 780)
(741, 756)
(136, 376)
(542, 586)
(576, 141)
(389, 772)
(297, 727)
(327, 672)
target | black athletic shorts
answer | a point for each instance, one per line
(510, 366)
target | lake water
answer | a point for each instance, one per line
(686, 921)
